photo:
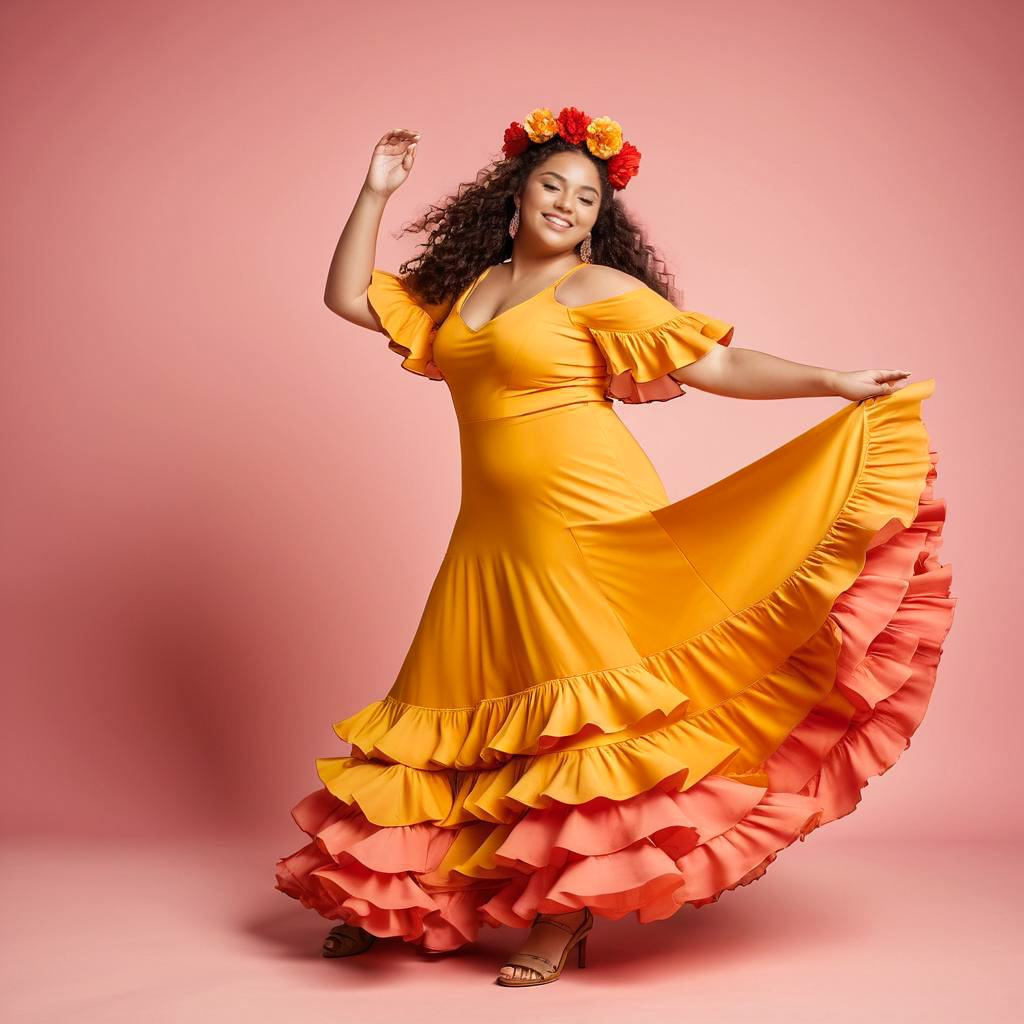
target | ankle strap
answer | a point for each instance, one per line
(547, 919)
(558, 924)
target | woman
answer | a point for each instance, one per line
(612, 703)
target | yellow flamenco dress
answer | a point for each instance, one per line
(612, 700)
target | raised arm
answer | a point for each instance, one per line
(354, 256)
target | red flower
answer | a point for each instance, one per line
(623, 166)
(572, 125)
(516, 140)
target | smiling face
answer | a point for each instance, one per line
(559, 202)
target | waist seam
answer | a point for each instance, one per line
(537, 412)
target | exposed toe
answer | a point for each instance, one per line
(515, 972)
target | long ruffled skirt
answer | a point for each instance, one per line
(618, 702)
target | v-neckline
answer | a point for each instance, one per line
(528, 299)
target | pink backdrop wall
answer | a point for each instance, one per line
(223, 506)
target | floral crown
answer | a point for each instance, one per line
(602, 135)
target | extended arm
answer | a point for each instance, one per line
(723, 369)
(748, 373)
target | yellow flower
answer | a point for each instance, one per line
(540, 125)
(604, 137)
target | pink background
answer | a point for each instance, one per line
(224, 506)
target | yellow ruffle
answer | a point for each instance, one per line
(651, 353)
(675, 756)
(490, 732)
(408, 324)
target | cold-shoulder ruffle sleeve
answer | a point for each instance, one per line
(643, 337)
(409, 324)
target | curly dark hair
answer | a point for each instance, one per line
(468, 232)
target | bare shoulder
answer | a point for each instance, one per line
(594, 283)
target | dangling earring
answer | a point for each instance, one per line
(585, 249)
(514, 225)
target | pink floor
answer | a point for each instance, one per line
(836, 931)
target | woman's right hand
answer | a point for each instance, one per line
(392, 161)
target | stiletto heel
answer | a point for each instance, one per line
(548, 970)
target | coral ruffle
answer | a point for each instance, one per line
(892, 622)
(648, 824)
(650, 855)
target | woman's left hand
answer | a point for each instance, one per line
(856, 385)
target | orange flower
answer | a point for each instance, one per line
(604, 137)
(540, 125)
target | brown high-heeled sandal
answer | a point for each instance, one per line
(347, 940)
(552, 971)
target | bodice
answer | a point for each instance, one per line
(540, 353)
